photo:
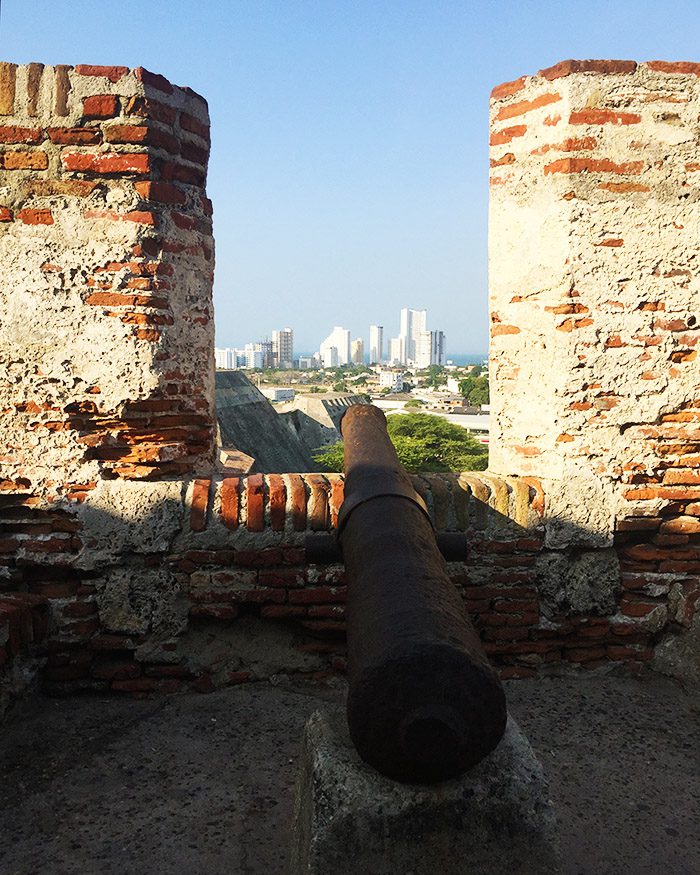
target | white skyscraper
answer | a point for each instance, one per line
(396, 351)
(430, 349)
(424, 349)
(253, 355)
(335, 349)
(413, 324)
(376, 344)
(416, 345)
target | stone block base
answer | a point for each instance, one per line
(350, 820)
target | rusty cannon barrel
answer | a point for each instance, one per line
(424, 703)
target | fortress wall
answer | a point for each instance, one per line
(595, 295)
(206, 582)
(202, 583)
(595, 309)
(106, 259)
(584, 535)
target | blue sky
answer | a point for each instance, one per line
(349, 159)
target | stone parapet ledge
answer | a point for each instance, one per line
(134, 572)
(311, 502)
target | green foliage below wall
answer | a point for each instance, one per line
(423, 443)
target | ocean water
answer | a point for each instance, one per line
(463, 359)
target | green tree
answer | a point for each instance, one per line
(475, 389)
(414, 404)
(435, 375)
(330, 457)
(423, 443)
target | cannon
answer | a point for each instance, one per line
(424, 704)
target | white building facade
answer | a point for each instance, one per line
(335, 349)
(416, 345)
(225, 358)
(413, 324)
(253, 356)
(396, 351)
(430, 349)
(392, 380)
(376, 344)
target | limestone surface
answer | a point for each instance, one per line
(349, 819)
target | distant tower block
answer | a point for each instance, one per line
(283, 348)
(595, 293)
(106, 261)
(358, 351)
(376, 344)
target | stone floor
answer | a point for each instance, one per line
(202, 784)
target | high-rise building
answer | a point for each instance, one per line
(265, 347)
(283, 348)
(404, 348)
(253, 356)
(424, 349)
(413, 323)
(416, 345)
(225, 359)
(228, 359)
(358, 351)
(376, 344)
(396, 351)
(430, 349)
(335, 349)
(440, 348)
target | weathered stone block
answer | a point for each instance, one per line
(135, 599)
(587, 582)
(350, 819)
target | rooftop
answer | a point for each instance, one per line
(204, 784)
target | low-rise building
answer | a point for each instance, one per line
(392, 380)
(278, 393)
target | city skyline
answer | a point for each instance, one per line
(343, 187)
(390, 328)
(415, 346)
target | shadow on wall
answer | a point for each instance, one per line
(155, 586)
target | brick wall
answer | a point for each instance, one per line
(106, 263)
(595, 304)
(594, 295)
(158, 585)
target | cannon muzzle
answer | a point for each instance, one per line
(424, 703)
